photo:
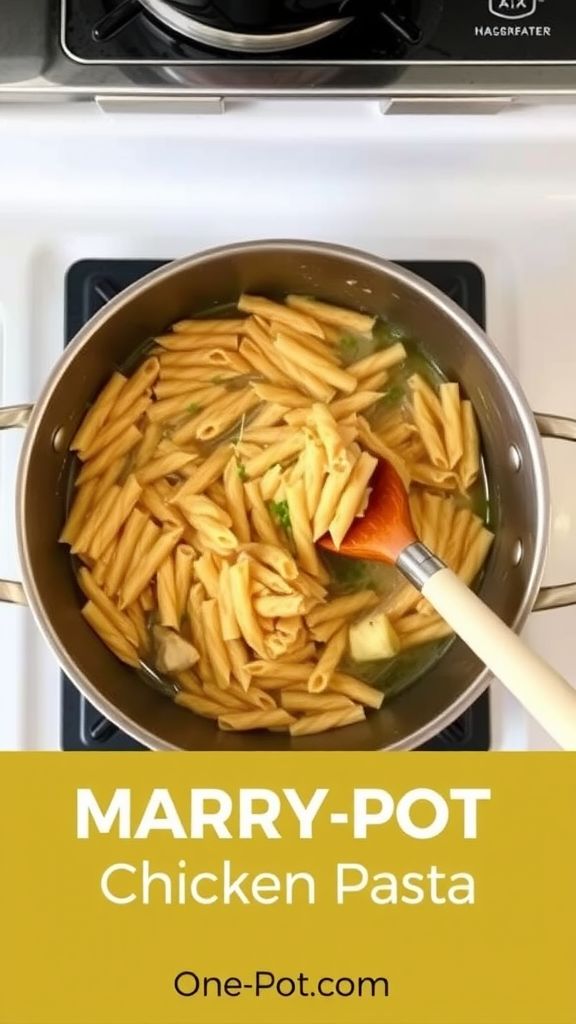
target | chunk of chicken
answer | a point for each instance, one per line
(172, 652)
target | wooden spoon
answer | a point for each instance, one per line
(386, 534)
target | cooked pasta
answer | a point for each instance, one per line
(206, 478)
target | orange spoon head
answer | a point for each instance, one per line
(385, 530)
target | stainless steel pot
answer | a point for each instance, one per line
(513, 452)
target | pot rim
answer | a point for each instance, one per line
(304, 248)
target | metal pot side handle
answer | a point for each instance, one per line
(563, 428)
(12, 592)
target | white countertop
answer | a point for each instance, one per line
(495, 190)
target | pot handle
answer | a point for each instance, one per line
(12, 592)
(563, 428)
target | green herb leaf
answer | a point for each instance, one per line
(281, 513)
(349, 343)
(394, 395)
(241, 470)
(193, 408)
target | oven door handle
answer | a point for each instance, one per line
(563, 429)
(11, 591)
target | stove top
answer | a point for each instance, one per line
(89, 285)
(150, 56)
(391, 33)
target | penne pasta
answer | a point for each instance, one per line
(105, 458)
(326, 630)
(356, 690)
(183, 568)
(452, 423)
(222, 417)
(93, 523)
(226, 698)
(260, 517)
(432, 476)
(167, 596)
(259, 718)
(119, 511)
(353, 498)
(310, 725)
(150, 440)
(138, 576)
(209, 327)
(278, 606)
(215, 647)
(113, 638)
(276, 558)
(375, 382)
(322, 423)
(470, 463)
(137, 617)
(189, 341)
(246, 618)
(445, 526)
(117, 426)
(305, 361)
(379, 361)
(276, 312)
(262, 669)
(429, 432)
(343, 607)
(429, 633)
(358, 402)
(476, 555)
(235, 500)
(198, 392)
(259, 362)
(98, 413)
(239, 659)
(313, 477)
(431, 513)
(377, 447)
(205, 474)
(328, 661)
(190, 682)
(157, 506)
(310, 703)
(96, 595)
(307, 341)
(82, 505)
(228, 621)
(139, 383)
(337, 316)
(281, 452)
(290, 398)
(205, 479)
(112, 475)
(196, 599)
(332, 491)
(199, 705)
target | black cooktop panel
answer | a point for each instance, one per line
(451, 31)
(89, 285)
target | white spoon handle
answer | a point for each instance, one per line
(542, 691)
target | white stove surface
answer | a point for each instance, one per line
(498, 191)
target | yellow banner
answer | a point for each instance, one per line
(317, 888)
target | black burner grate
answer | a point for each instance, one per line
(89, 285)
